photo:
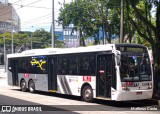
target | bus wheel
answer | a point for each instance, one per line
(87, 94)
(23, 86)
(31, 86)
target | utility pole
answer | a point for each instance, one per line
(4, 38)
(53, 24)
(31, 40)
(121, 22)
(12, 39)
(64, 2)
(12, 29)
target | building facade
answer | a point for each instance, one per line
(9, 19)
(9, 22)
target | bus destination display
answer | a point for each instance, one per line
(131, 49)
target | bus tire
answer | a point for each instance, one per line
(31, 86)
(23, 85)
(87, 94)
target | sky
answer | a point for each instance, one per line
(36, 14)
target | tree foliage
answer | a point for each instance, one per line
(88, 16)
(42, 39)
(146, 22)
(18, 40)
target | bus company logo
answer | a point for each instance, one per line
(6, 109)
(39, 63)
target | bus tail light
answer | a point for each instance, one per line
(129, 83)
(123, 87)
(150, 86)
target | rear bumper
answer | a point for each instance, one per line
(133, 95)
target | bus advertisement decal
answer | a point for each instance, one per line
(87, 78)
(26, 75)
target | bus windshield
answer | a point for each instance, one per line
(135, 67)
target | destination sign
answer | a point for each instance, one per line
(132, 49)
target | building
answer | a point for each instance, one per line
(4, 1)
(9, 19)
(9, 22)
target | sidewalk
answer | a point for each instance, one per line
(3, 78)
(3, 74)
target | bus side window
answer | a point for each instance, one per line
(73, 65)
(62, 66)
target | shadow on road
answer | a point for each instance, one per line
(27, 106)
(118, 104)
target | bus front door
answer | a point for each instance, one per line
(52, 73)
(104, 73)
(14, 66)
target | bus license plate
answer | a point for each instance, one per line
(138, 93)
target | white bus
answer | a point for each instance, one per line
(118, 72)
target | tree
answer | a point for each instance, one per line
(76, 13)
(18, 40)
(88, 17)
(147, 25)
(42, 39)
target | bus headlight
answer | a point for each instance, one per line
(125, 88)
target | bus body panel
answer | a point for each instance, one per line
(136, 95)
(71, 85)
(138, 90)
(10, 78)
(40, 80)
(116, 95)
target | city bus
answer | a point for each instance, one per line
(118, 72)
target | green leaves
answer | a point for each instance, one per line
(39, 39)
(90, 16)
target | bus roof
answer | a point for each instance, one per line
(133, 45)
(54, 51)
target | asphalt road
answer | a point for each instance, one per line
(19, 106)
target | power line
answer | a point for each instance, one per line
(6, 5)
(31, 6)
(17, 1)
(21, 7)
(34, 2)
(37, 18)
(42, 23)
